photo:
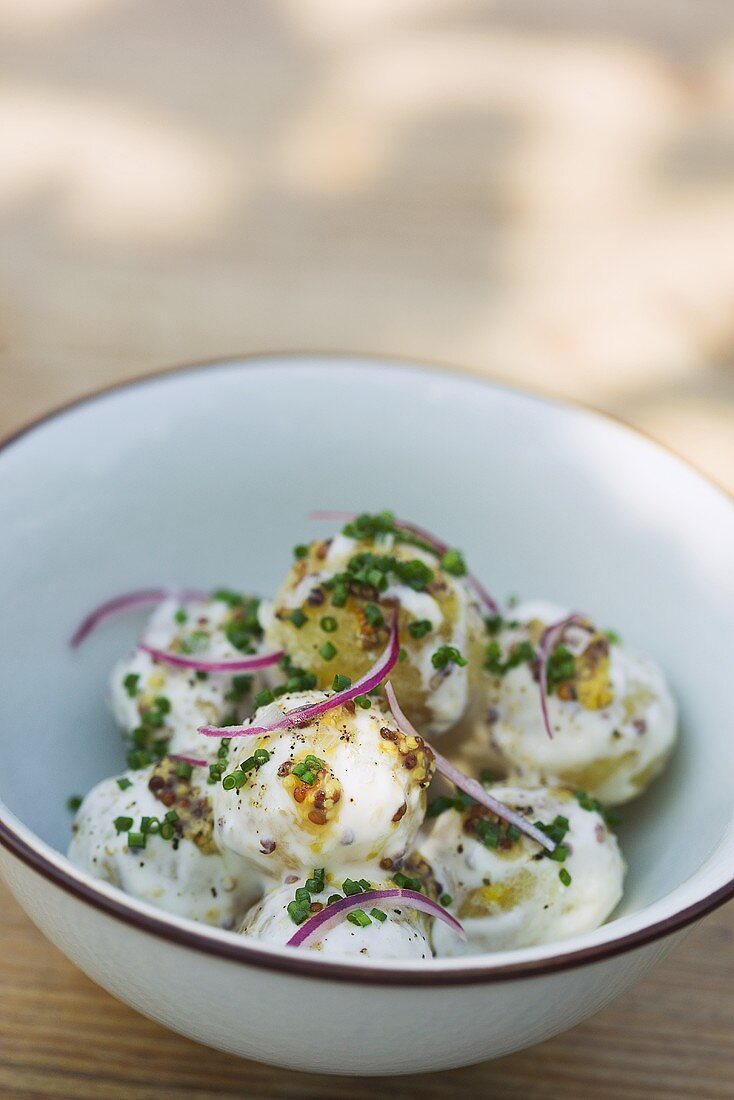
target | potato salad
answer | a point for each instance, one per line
(380, 761)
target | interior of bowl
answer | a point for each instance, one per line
(205, 477)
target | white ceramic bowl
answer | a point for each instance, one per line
(203, 477)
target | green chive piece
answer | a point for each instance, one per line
(328, 651)
(184, 770)
(446, 655)
(298, 912)
(298, 618)
(405, 882)
(124, 783)
(452, 562)
(74, 802)
(123, 824)
(136, 840)
(329, 624)
(339, 595)
(378, 914)
(130, 683)
(341, 683)
(262, 698)
(300, 551)
(373, 614)
(565, 877)
(359, 917)
(420, 628)
(445, 900)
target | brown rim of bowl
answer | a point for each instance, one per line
(243, 952)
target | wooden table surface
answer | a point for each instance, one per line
(542, 192)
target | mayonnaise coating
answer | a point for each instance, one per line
(194, 700)
(443, 611)
(185, 875)
(402, 935)
(512, 895)
(359, 800)
(614, 726)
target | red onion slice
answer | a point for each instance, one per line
(183, 759)
(302, 716)
(126, 602)
(438, 546)
(466, 784)
(332, 915)
(549, 639)
(239, 664)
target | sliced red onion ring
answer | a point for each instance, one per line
(239, 664)
(465, 783)
(126, 602)
(301, 716)
(437, 545)
(549, 639)
(192, 760)
(331, 915)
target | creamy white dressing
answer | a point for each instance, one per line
(194, 702)
(402, 935)
(524, 899)
(634, 734)
(214, 888)
(360, 831)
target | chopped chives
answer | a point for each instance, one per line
(359, 917)
(130, 683)
(453, 562)
(373, 614)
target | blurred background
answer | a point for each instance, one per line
(540, 192)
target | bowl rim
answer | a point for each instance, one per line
(186, 934)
